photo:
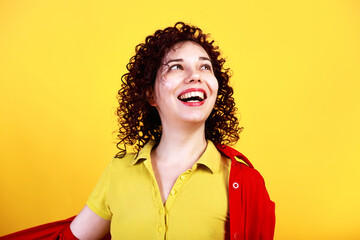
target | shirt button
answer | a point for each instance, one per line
(173, 192)
(160, 229)
(235, 185)
(161, 211)
(182, 177)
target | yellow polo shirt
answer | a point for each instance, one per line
(197, 207)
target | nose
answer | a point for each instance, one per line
(194, 76)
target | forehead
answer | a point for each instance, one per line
(185, 49)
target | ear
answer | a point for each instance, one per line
(150, 97)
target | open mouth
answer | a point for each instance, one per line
(195, 96)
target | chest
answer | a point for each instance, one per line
(166, 178)
(196, 205)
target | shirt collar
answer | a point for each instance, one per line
(144, 153)
(210, 158)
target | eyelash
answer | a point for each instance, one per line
(208, 67)
(176, 65)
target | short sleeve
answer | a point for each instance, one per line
(98, 200)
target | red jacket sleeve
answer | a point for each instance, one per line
(59, 230)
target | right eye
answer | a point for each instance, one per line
(176, 67)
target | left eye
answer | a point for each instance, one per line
(206, 67)
(176, 67)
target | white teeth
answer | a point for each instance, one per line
(192, 94)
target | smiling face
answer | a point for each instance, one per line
(185, 88)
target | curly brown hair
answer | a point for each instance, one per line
(139, 121)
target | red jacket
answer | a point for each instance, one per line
(252, 213)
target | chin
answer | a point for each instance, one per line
(195, 119)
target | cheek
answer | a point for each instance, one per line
(214, 85)
(165, 83)
(164, 86)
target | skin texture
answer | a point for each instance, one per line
(184, 67)
(183, 126)
(183, 136)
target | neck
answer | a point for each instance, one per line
(180, 146)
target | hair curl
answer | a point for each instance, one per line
(139, 121)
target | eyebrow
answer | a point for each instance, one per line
(174, 60)
(205, 58)
(181, 60)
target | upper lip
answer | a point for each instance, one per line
(189, 90)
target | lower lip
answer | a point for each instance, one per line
(193, 104)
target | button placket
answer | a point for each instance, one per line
(180, 181)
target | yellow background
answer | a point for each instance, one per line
(296, 73)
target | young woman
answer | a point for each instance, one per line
(177, 111)
(175, 105)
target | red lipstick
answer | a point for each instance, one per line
(193, 103)
(193, 90)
